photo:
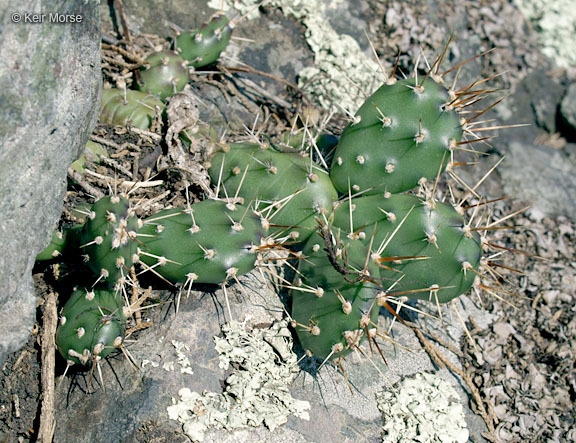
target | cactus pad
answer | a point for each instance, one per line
(127, 107)
(402, 133)
(165, 75)
(92, 325)
(210, 242)
(204, 46)
(108, 238)
(419, 245)
(290, 190)
(335, 323)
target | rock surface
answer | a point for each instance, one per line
(135, 401)
(49, 98)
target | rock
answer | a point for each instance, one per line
(534, 172)
(568, 111)
(49, 98)
(544, 99)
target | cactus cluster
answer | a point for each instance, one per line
(355, 251)
(165, 73)
(365, 229)
(380, 243)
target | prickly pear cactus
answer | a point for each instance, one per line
(335, 322)
(203, 46)
(288, 189)
(92, 325)
(402, 133)
(127, 107)
(55, 248)
(108, 238)
(331, 260)
(165, 75)
(424, 249)
(210, 242)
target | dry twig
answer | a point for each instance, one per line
(50, 321)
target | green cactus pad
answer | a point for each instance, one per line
(328, 327)
(55, 248)
(401, 134)
(351, 257)
(127, 107)
(204, 46)
(208, 243)
(165, 75)
(108, 238)
(288, 189)
(445, 252)
(92, 325)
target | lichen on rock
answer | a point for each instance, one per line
(343, 75)
(256, 391)
(555, 24)
(422, 408)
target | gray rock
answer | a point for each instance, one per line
(49, 97)
(568, 108)
(133, 405)
(540, 174)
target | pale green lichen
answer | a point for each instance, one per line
(424, 408)
(555, 23)
(256, 392)
(342, 75)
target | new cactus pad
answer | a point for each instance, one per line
(165, 75)
(210, 242)
(202, 47)
(290, 190)
(401, 134)
(127, 107)
(92, 325)
(108, 238)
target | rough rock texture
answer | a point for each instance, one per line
(535, 169)
(568, 111)
(49, 98)
(135, 400)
